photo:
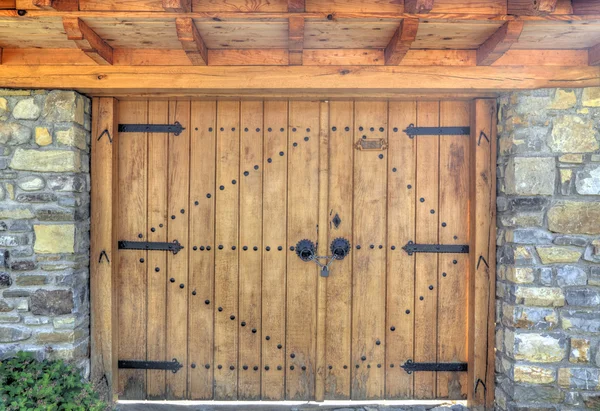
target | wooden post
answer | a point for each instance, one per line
(104, 172)
(482, 272)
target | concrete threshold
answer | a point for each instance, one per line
(407, 405)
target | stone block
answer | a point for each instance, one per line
(522, 219)
(54, 239)
(520, 275)
(5, 306)
(25, 280)
(10, 318)
(542, 348)
(66, 183)
(52, 302)
(539, 296)
(5, 280)
(15, 213)
(63, 106)
(55, 214)
(55, 337)
(573, 134)
(571, 158)
(66, 322)
(36, 197)
(570, 275)
(73, 137)
(588, 180)
(557, 254)
(533, 374)
(580, 350)
(591, 400)
(563, 100)
(591, 97)
(13, 333)
(585, 297)
(26, 109)
(530, 318)
(530, 176)
(42, 136)
(566, 180)
(585, 321)
(579, 378)
(570, 240)
(529, 236)
(524, 204)
(574, 217)
(523, 255)
(31, 183)
(14, 134)
(46, 161)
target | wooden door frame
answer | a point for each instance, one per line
(482, 213)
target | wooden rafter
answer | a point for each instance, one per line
(499, 43)
(296, 6)
(418, 6)
(531, 7)
(191, 41)
(296, 40)
(401, 41)
(177, 6)
(59, 5)
(586, 6)
(87, 40)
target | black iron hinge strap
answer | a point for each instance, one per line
(410, 366)
(173, 366)
(413, 131)
(411, 248)
(176, 128)
(174, 247)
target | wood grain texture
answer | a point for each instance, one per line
(295, 6)
(401, 41)
(87, 40)
(400, 304)
(103, 280)
(7, 4)
(191, 41)
(482, 284)
(531, 7)
(274, 273)
(418, 6)
(202, 307)
(296, 40)
(594, 55)
(499, 43)
(59, 5)
(177, 6)
(586, 6)
(250, 270)
(132, 276)
(226, 250)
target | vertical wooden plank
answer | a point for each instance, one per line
(482, 270)
(339, 284)
(104, 221)
(158, 113)
(426, 265)
(178, 187)
(132, 226)
(251, 142)
(322, 249)
(202, 257)
(274, 263)
(453, 268)
(303, 207)
(226, 251)
(400, 266)
(369, 261)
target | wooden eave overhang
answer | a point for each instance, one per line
(305, 48)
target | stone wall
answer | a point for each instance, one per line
(44, 224)
(548, 279)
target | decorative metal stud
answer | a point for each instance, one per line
(392, 328)
(231, 367)
(255, 368)
(407, 311)
(334, 128)
(208, 195)
(220, 309)
(336, 220)
(245, 367)
(421, 298)
(304, 368)
(243, 323)
(279, 346)
(194, 292)
(431, 287)
(141, 260)
(444, 224)
(207, 366)
(444, 274)
(347, 129)
(172, 280)
(422, 199)
(292, 367)
(157, 269)
(207, 302)
(246, 173)
(232, 317)
(181, 286)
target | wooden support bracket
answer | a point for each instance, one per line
(59, 5)
(177, 6)
(191, 41)
(296, 6)
(296, 40)
(499, 43)
(531, 7)
(401, 41)
(88, 41)
(418, 6)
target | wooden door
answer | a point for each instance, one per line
(243, 315)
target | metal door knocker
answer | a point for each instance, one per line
(340, 247)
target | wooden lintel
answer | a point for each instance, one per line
(401, 41)
(296, 40)
(191, 41)
(59, 5)
(296, 79)
(418, 6)
(296, 6)
(531, 7)
(177, 6)
(594, 55)
(499, 43)
(585, 7)
(88, 41)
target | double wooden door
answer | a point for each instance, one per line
(238, 188)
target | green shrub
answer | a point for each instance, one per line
(28, 384)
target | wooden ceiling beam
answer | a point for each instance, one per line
(58, 5)
(418, 6)
(499, 43)
(401, 41)
(177, 6)
(191, 41)
(295, 40)
(88, 41)
(586, 7)
(531, 7)
(296, 6)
